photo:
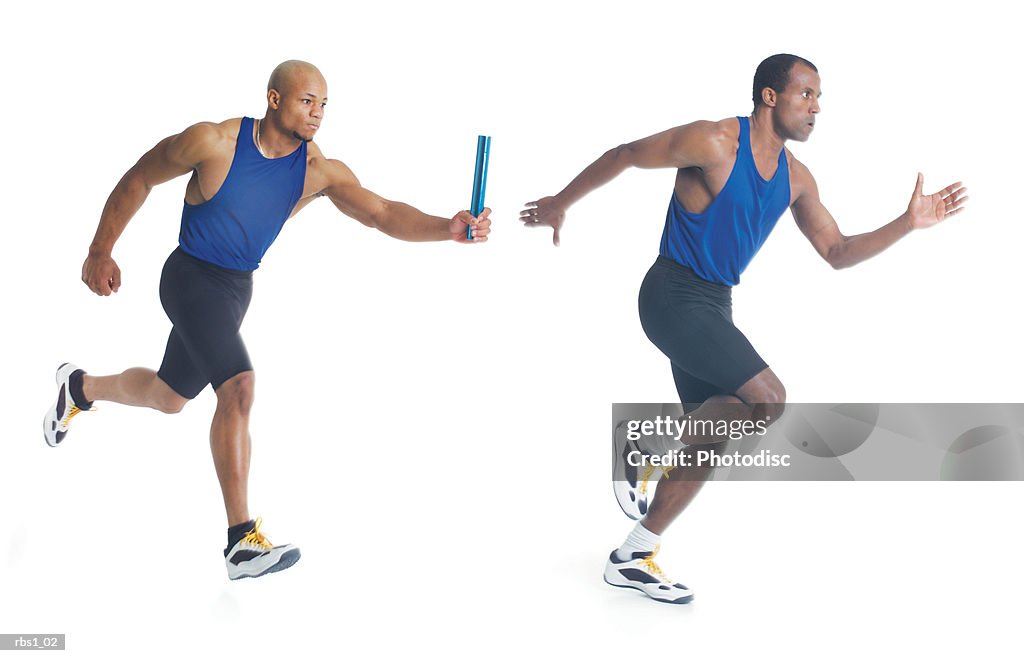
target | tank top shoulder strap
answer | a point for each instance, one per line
(244, 142)
(743, 153)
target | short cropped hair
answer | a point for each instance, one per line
(773, 72)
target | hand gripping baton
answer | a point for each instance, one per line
(483, 150)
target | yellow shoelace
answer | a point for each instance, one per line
(255, 537)
(652, 566)
(72, 411)
(648, 473)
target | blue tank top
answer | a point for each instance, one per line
(719, 243)
(235, 228)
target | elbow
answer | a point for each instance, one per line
(380, 218)
(621, 155)
(134, 181)
(376, 217)
(836, 256)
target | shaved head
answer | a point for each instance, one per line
(296, 100)
(286, 74)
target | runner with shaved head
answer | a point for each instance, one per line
(247, 178)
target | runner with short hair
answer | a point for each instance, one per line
(734, 180)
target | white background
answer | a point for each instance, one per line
(431, 423)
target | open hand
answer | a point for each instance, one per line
(544, 212)
(924, 211)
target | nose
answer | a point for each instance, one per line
(815, 107)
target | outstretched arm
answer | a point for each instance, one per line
(396, 219)
(841, 251)
(170, 158)
(681, 147)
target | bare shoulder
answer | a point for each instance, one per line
(795, 165)
(323, 173)
(725, 130)
(715, 140)
(723, 134)
(800, 179)
(712, 129)
(313, 151)
(204, 140)
(213, 131)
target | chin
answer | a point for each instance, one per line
(304, 139)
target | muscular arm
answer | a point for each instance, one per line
(170, 158)
(817, 224)
(392, 218)
(693, 144)
(680, 147)
(842, 251)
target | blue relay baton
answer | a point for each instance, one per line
(483, 151)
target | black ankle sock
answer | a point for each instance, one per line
(236, 532)
(75, 387)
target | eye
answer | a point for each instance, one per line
(305, 101)
(807, 95)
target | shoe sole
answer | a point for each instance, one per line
(680, 601)
(287, 560)
(622, 488)
(51, 422)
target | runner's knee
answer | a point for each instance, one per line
(172, 404)
(773, 403)
(775, 394)
(238, 392)
(767, 394)
(164, 398)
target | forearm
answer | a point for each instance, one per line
(122, 204)
(857, 248)
(608, 166)
(407, 223)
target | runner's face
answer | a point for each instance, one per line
(796, 108)
(302, 105)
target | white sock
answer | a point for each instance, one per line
(640, 539)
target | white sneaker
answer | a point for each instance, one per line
(641, 572)
(254, 555)
(635, 492)
(64, 409)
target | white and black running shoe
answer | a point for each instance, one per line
(254, 555)
(635, 492)
(64, 409)
(641, 572)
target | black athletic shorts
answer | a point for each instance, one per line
(206, 304)
(690, 320)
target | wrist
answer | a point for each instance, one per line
(99, 251)
(908, 223)
(452, 229)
